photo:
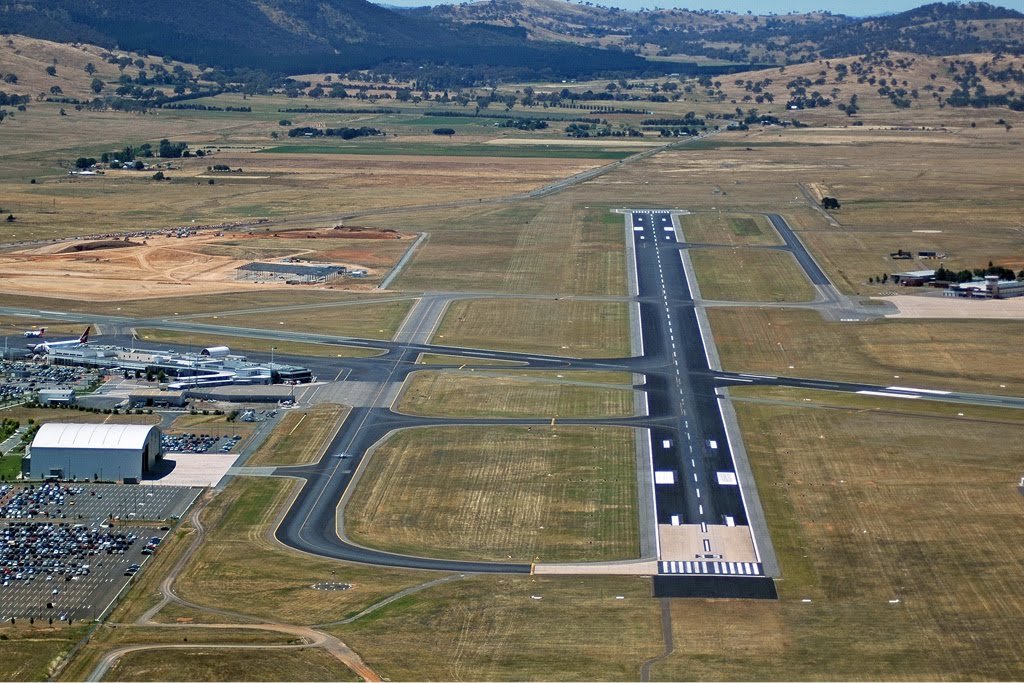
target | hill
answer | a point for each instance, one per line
(935, 29)
(296, 36)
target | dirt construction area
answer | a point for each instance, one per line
(197, 263)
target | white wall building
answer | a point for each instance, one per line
(107, 452)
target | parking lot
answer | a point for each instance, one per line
(198, 443)
(93, 503)
(75, 547)
(18, 378)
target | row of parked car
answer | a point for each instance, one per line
(38, 500)
(31, 550)
(196, 443)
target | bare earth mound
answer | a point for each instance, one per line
(205, 263)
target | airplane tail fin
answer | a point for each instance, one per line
(84, 339)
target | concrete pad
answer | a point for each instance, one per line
(630, 568)
(955, 308)
(191, 469)
(686, 542)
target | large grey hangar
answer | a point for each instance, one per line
(104, 452)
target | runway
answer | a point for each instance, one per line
(703, 543)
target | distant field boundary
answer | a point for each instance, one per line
(474, 150)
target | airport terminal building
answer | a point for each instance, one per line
(98, 452)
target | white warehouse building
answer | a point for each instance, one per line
(104, 452)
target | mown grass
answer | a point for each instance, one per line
(239, 569)
(558, 246)
(445, 359)
(584, 329)
(110, 636)
(527, 628)
(867, 505)
(471, 394)
(301, 436)
(968, 355)
(369, 321)
(734, 229)
(262, 664)
(186, 305)
(750, 275)
(238, 343)
(500, 493)
(30, 652)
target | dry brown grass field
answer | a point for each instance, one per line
(969, 355)
(732, 229)
(897, 187)
(500, 493)
(31, 651)
(477, 394)
(261, 664)
(584, 329)
(464, 361)
(250, 301)
(277, 186)
(369, 320)
(750, 275)
(301, 437)
(869, 507)
(514, 628)
(27, 58)
(150, 336)
(239, 569)
(558, 246)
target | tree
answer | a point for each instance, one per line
(90, 68)
(51, 70)
(84, 162)
(11, 218)
(159, 175)
(444, 131)
(97, 85)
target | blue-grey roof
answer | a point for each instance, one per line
(293, 269)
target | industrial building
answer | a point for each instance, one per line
(213, 366)
(914, 278)
(291, 273)
(97, 452)
(991, 287)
